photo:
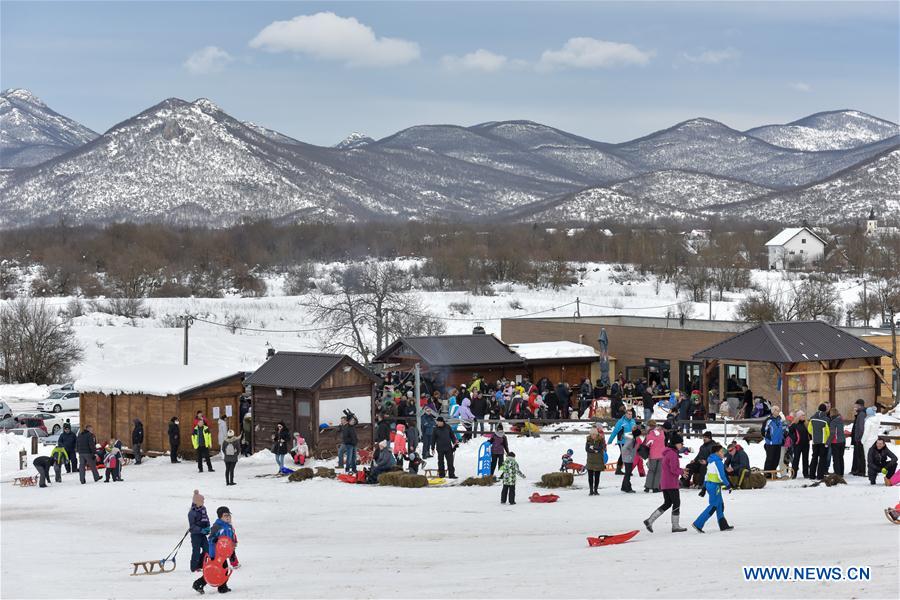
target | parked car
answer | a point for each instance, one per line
(59, 401)
(53, 439)
(9, 423)
(50, 422)
(5, 410)
(29, 432)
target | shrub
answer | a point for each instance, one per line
(462, 308)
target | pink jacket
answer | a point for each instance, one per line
(656, 441)
(400, 440)
(669, 470)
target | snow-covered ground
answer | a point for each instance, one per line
(327, 539)
(111, 341)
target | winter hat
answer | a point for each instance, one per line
(675, 438)
(570, 452)
(231, 433)
(707, 434)
(861, 402)
(401, 428)
(222, 510)
(440, 420)
(821, 408)
(198, 498)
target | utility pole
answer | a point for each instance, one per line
(710, 304)
(187, 324)
(418, 400)
(896, 369)
(865, 303)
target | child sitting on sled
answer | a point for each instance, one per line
(300, 451)
(415, 461)
(567, 459)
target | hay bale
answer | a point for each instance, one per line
(411, 480)
(832, 480)
(391, 478)
(557, 480)
(325, 472)
(301, 474)
(757, 480)
(482, 481)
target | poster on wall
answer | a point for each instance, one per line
(229, 411)
(215, 412)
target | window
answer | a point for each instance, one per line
(803, 240)
(736, 376)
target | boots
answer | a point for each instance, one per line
(676, 528)
(724, 526)
(648, 523)
(697, 529)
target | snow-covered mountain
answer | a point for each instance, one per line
(354, 140)
(191, 162)
(845, 196)
(832, 130)
(31, 132)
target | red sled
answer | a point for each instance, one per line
(608, 540)
(535, 497)
(347, 477)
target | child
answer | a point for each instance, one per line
(221, 528)
(716, 480)
(509, 470)
(629, 452)
(300, 451)
(415, 461)
(567, 459)
(112, 460)
(400, 444)
(198, 524)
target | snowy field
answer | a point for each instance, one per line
(111, 341)
(327, 539)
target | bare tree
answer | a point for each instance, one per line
(36, 345)
(811, 300)
(375, 304)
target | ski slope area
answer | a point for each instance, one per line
(327, 539)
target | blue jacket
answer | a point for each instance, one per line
(198, 519)
(625, 425)
(428, 423)
(220, 528)
(774, 431)
(715, 471)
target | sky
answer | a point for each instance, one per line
(318, 71)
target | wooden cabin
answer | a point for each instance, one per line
(112, 399)
(306, 390)
(566, 361)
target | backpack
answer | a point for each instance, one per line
(229, 449)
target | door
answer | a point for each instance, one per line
(303, 420)
(689, 376)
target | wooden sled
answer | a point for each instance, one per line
(887, 513)
(152, 567)
(577, 469)
(26, 481)
(610, 467)
(781, 474)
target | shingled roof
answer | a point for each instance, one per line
(792, 342)
(452, 351)
(299, 370)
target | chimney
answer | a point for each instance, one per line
(270, 352)
(478, 329)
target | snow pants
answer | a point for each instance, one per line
(773, 456)
(203, 453)
(875, 472)
(716, 505)
(44, 472)
(653, 474)
(508, 491)
(800, 452)
(818, 466)
(626, 480)
(138, 453)
(198, 548)
(444, 455)
(88, 460)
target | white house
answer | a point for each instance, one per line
(795, 246)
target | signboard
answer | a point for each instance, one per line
(229, 411)
(484, 459)
(215, 412)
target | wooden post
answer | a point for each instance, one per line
(34, 445)
(23, 460)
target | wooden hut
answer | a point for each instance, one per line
(306, 390)
(112, 399)
(560, 361)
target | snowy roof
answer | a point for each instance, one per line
(547, 350)
(153, 379)
(788, 234)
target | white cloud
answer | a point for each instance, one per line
(480, 60)
(210, 59)
(800, 86)
(327, 36)
(590, 53)
(713, 57)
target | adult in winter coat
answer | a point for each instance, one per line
(629, 454)
(837, 440)
(281, 442)
(67, 440)
(201, 440)
(746, 409)
(174, 439)
(697, 467)
(42, 464)
(819, 430)
(647, 400)
(655, 440)
(881, 461)
(552, 402)
(382, 428)
(385, 461)
(684, 412)
(198, 526)
(428, 425)
(595, 447)
(737, 464)
(479, 407)
(466, 416)
(624, 426)
(247, 434)
(137, 440)
(858, 467)
(445, 443)
(499, 447)
(564, 398)
(223, 430)
(509, 470)
(231, 450)
(799, 437)
(85, 445)
(773, 430)
(586, 395)
(716, 479)
(349, 441)
(669, 483)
